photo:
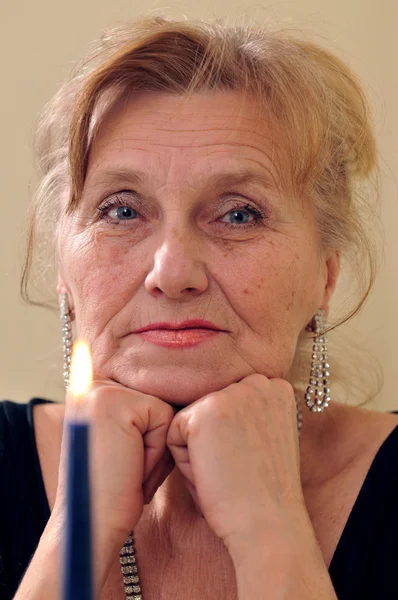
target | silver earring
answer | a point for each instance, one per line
(299, 415)
(67, 336)
(317, 396)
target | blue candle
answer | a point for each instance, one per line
(78, 576)
(78, 566)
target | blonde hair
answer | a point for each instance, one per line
(317, 103)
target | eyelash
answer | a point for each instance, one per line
(119, 201)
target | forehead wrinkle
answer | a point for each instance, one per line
(104, 150)
(146, 133)
(214, 148)
(126, 176)
(149, 122)
(112, 175)
(269, 168)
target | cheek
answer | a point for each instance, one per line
(275, 303)
(100, 276)
(272, 287)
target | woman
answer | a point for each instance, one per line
(198, 182)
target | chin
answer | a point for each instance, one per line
(176, 391)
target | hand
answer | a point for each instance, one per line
(129, 458)
(238, 451)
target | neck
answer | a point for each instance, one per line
(174, 501)
(173, 520)
(319, 434)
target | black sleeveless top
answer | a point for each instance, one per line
(364, 565)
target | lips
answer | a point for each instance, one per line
(183, 335)
(191, 324)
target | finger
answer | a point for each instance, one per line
(157, 478)
(183, 463)
(177, 435)
(177, 443)
(160, 464)
(155, 437)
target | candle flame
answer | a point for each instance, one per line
(81, 371)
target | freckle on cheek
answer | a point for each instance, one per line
(290, 303)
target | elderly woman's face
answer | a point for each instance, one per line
(181, 218)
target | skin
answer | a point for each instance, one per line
(180, 260)
(186, 256)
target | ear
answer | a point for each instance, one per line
(62, 288)
(332, 270)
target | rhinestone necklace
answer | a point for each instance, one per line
(128, 561)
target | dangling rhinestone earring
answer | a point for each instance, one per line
(67, 336)
(317, 396)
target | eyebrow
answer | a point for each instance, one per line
(113, 176)
(125, 176)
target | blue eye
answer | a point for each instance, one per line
(122, 213)
(117, 210)
(243, 220)
(246, 211)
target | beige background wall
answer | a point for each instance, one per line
(39, 41)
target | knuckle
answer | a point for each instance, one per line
(285, 387)
(100, 402)
(257, 381)
(164, 409)
(216, 406)
(170, 434)
(107, 401)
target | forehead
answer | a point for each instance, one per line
(204, 129)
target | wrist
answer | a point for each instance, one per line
(285, 560)
(275, 537)
(106, 545)
(42, 577)
(106, 550)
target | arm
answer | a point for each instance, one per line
(286, 564)
(120, 461)
(43, 577)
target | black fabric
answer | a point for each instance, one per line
(24, 509)
(364, 565)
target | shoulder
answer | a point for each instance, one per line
(48, 423)
(12, 412)
(365, 431)
(48, 427)
(368, 438)
(353, 443)
(346, 439)
(30, 443)
(48, 415)
(18, 419)
(341, 452)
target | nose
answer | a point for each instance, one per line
(178, 269)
